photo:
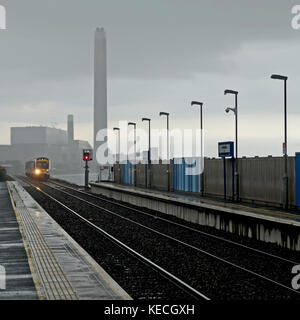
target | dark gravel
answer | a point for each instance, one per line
(206, 274)
(271, 248)
(267, 266)
(137, 279)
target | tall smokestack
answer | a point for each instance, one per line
(100, 86)
(70, 129)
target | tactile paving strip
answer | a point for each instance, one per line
(50, 280)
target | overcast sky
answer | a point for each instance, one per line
(161, 55)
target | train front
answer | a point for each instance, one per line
(42, 167)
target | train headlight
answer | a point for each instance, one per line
(37, 171)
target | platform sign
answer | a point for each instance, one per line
(225, 149)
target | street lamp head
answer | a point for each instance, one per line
(131, 123)
(163, 113)
(197, 103)
(116, 129)
(146, 119)
(227, 91)
(230, 109)
(278, 77)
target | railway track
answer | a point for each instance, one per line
(163, 219)
(174, 286)
(201, 251)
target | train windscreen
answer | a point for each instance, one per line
(42, 165)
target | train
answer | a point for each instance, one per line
(38, 168)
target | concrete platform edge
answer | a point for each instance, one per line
(35, 277)
(261, 226)
(167, 198)
(111, 283)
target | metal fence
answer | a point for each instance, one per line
(127, 173)
(186, 174)
(260, 178)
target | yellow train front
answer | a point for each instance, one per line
(38, 168)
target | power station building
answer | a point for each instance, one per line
(38, 135)
(58, 145)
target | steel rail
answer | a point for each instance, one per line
(179, 225)
(181, 242)
(175, 280)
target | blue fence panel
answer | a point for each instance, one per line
(124, 173)
(186, 174)
(186, 177)
(128, 173)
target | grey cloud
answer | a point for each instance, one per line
(161, 54)
(168, 38)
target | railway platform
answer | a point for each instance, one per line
(262, 223)
(39, 260)
(16, 280)
(261, 212)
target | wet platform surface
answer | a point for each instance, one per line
(46, 263)
(16, 281)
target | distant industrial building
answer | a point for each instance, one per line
(38, 135)
(58, 145)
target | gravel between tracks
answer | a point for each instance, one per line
(212, 277)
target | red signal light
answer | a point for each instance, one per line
(86, 157)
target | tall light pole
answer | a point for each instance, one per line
(118, 153)
(118, 148)
(134, 126)
(285, 175)
(235, 111)
(168, 151)
(200, 104)
(149, 151)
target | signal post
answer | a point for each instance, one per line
(87, 156)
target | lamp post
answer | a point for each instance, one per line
(149, 152)
(168, 151)
(200, 104)
(118, 154)
(134, 126)
(235, 111)
(285, 175)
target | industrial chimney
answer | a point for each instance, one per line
(100, 87)
(70, 129)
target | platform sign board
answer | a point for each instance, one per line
(225, 149)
